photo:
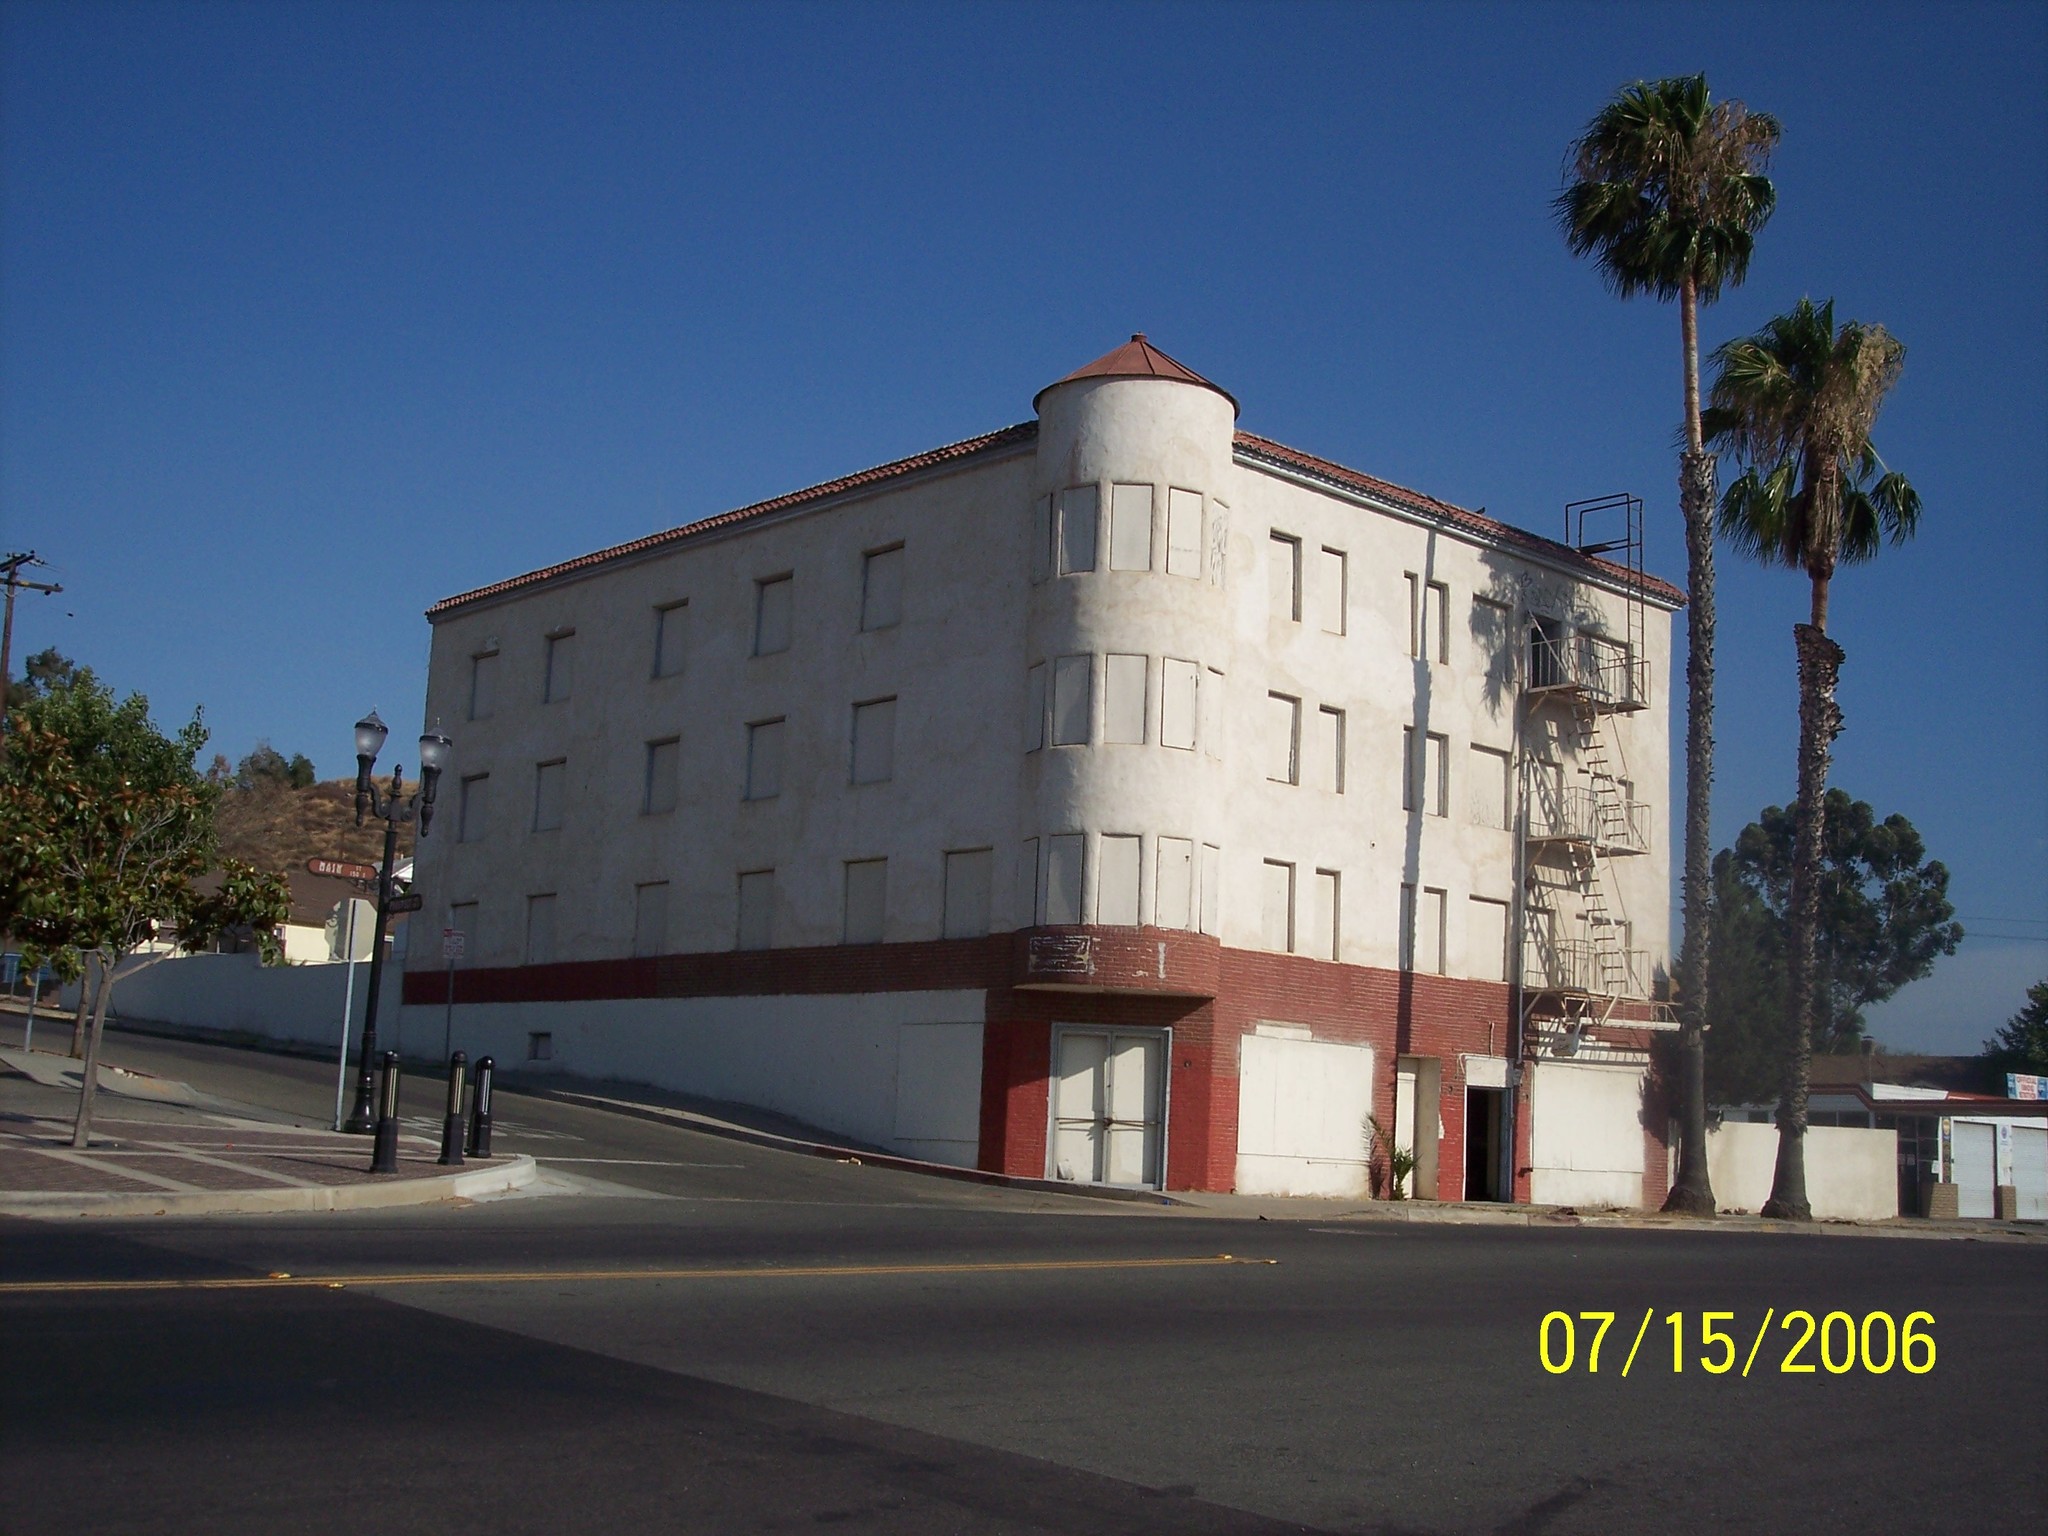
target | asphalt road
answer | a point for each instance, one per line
(847, 1347)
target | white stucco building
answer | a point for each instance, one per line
(1117, 796)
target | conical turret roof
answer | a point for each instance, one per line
(1137, 359)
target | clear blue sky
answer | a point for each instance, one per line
(312, 314)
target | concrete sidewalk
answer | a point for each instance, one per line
(161, 1148)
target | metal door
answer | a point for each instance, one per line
(1108, 1106)
(1973, 1150)
(1404, 1123)
(2030, 1171)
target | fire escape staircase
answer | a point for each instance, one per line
(1577, 821)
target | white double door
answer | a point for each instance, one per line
(1108, 1105)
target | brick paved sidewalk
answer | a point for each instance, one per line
(133, 1156)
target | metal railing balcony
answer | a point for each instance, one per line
(1602, 821)
(1600, 670)
(1581, 965)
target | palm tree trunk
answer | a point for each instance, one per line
(1820, 722)
(1692, 1192)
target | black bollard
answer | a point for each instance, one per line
(451, 1128)
(480, 1110)
(384, 1152)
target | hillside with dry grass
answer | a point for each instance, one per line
(278, 828)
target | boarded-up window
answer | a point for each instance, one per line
(1173, 897)
(650, 918)
(881, 589)
(548, 779)
(1178, 703)
(1116, 881)
(1212, 715)
(968, 871)
(1487, 787)
(1429, 932)
(671, 638)
(658, 794)
(867, 900)
(1276, 905)
(1333, 589)
(1034, 707)
(774, 609)
(764, 759)
(558, 677)
(1123, 702)
(1212, 889)
(757, 909)
(1486, 939)
(1323, 935)
(1406, 927)
(1027, 883)
(1079, 515)
(1071, 703)
(1063, 877)
(1423, 785)
(483, 685)
(1283, 738)
(1283, 578)
(1326, 753)
(874, 741)
(1130, 528)
(1429, 635)
(471, 811)
(1184, 533)
(540, 929)
(1041, 538)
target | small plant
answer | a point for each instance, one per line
(1391, 1165)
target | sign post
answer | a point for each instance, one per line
(348, 1008)
(453, 942)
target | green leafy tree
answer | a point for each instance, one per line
(1666, 191)
(2021, 1044)
(1885, 919)
(105, 830)
(47, 670)
(267, 769)
(1796, 403)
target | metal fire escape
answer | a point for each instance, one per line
(1578, 811)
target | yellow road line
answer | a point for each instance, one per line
(282, 1281)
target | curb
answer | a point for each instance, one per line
(690, 1121)
(508, 1173)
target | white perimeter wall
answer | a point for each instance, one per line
(1851, 1174)
(300, 1003)
(1586, 1134)
(900, 1070)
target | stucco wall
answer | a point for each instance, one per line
(299, 1003)
(900, 1070)
(1851, 1174)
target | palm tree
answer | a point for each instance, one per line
(1795, 403)
(1665, 190)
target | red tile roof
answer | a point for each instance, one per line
(1137, 359)
(1023, 432)
(1265, 450)
(1249, 446)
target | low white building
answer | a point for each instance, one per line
(1117, 796)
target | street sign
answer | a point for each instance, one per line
(341, 870)
(453, 942)
(410, 903)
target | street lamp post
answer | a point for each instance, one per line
(395, 810)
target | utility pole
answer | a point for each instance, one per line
(15, 581)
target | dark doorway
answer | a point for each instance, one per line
(1482, 1143)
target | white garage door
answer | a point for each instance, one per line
(1586, 1134)
(2030, 1170)
(1301, 1108)
(1973, 1149)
